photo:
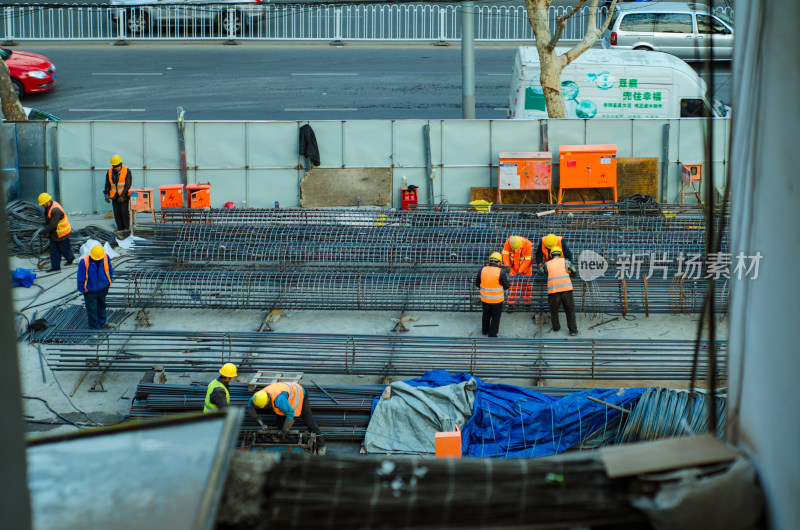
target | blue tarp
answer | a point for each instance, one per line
(513, 422)
(22, 277)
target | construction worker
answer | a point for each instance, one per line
(548, 242)
(117, 192)
(288, 401)
(57, 228)
(492, 281)
(559, 289)
(218, 395)
(95, 275)
(518, 257)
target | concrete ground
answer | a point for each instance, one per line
(87, 408)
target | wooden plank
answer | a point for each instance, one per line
(347, 187)
(664, 455)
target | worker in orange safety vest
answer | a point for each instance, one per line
(492, 281)
(57, 229)
(518, 257)
(117, 192)
(559, 290)
(548, 242)
(288, 401)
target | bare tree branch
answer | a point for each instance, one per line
(592, 32)
(561, 23)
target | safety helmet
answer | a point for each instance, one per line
(555, 250)
(515, 242)
(228, 370)
(550, 240)
(116, 160)
(97, 252)
(495, 256)
(44, 198)
(229, 205)
(260, 399)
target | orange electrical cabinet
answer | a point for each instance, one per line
(142, 199)
(199, 195)
(525, 171)
(448, 444)
(171, 195)
(587, 166)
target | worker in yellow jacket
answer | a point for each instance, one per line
(559, 289)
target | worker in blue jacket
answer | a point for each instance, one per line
(95, 275)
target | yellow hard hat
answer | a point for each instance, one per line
(515, 242)
(228, 370)
(97, 252)
(260, 399)
(550, 240)
(116, 160)
(555, 249)
(44, 198)
(495, 256)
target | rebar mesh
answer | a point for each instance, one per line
(381, 355)
(371, 291)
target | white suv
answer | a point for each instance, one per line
(680, 28)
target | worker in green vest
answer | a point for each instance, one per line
(218, 395)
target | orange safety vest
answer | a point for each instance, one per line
(557, 276)
(86, 268)
(116, 189)
(62, 228)
(491, 290)
(295, 396)
(546, 251)
(520, 260)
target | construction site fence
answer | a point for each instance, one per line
(281, 22)
(257, 164)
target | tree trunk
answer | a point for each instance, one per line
(12, 109)
(550, 63)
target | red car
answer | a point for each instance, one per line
(30, 72)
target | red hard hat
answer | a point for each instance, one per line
(230, 204)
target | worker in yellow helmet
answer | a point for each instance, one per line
(493, 281)
(518, 257)
(548, 242)
(95, 275)
(218, 393)
(288, 401)
(559, 289)
(57, 229)
(117, 192)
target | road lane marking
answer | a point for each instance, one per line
(106, 110)
(127, 73)
(319, 110)
(500, 108)
(326, 73)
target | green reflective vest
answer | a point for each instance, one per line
(210, 407)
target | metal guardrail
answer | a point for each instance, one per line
(277, 22)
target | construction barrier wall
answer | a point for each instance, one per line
(257, 163)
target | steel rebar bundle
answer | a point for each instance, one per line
(69, 317)
(25, 222)
(450, 215)
(121, 351)
(231, 289)
(309, 247)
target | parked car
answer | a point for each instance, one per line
(30, 72)
(680, 28)
(147, 17)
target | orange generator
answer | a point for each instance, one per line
(141, 201)
(524, 171)
(588, 166)
(171, 196)
(199, 195)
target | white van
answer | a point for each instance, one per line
(614, 84)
